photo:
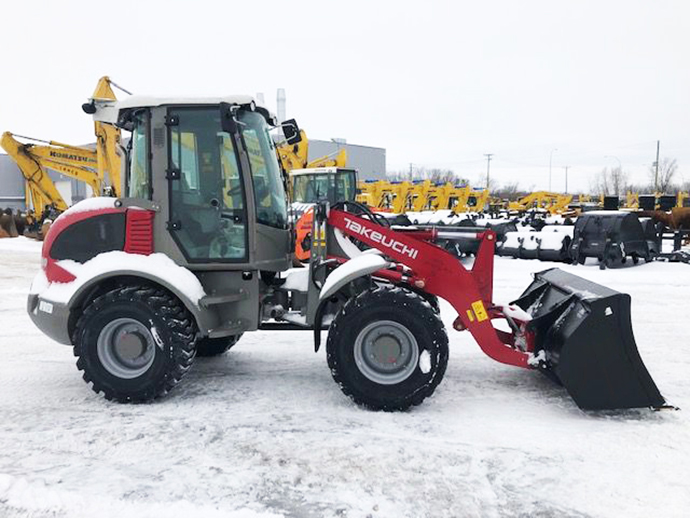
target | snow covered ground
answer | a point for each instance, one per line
(265, 432)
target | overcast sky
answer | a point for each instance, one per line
(438, 84)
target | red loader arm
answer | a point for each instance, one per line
(437, 272)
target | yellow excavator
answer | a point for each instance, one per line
(296, 156)
(554, 203)
(99, 168)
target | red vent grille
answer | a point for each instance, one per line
(139, 232)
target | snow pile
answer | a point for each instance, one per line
(534, 240)
(563, 229)
(95, 203)
(297, 280)
(158, 266)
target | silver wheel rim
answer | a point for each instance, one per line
(386, 352)
(126, 348)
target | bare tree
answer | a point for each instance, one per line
(442, 176)
(610, 182)
(510, 191)
(618, 181)
(599, 184)
(481, 182)
(421, 173)
(667, 171)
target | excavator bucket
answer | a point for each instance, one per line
(584, 339)
(7, 224)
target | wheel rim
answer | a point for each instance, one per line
(126, 348)
(386, 352)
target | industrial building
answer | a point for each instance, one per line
(369, 161)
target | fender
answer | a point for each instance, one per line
(205, 320)
(154, 268)
(360, 266)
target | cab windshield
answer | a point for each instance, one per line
(334, 187)
(269, 192)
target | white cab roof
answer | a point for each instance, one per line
(108, 111)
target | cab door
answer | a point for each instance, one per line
(208, 209)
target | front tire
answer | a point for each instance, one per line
(135, 343)
(387, 349)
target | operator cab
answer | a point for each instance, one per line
(210, 169)
(334, 184)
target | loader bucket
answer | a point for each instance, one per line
(585, 333)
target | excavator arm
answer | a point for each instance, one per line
(84, 164)
(108, 139)
(41, 187)
(296, 156)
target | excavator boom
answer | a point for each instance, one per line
(98, 168)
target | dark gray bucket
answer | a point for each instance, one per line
(585, 333)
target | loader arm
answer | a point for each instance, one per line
(438, 272)
(575, 331)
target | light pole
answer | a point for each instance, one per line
(550, 161)
(566, 178)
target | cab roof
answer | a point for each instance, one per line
(114, 112)
(320, 170)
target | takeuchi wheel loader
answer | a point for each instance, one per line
(192, 254)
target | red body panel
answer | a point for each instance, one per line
(440, 273)
(138, 237)
(53, 272)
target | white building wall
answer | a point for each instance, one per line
(369, 161)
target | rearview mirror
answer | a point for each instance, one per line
(291, 131)
(227, 118)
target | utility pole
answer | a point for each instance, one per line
(488, 167)
(551, 160)
(566, 178)
(656, 165)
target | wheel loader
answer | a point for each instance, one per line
(307, 188)
(196, 251)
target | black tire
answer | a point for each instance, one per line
(207, 347)
(125, 320)
(396, 314)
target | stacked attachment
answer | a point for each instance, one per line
(610, 236)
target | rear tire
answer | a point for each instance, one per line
(207, 347)
(135, 343)
(387, 349)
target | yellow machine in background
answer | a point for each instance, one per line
(296, 156)
(632, 200)
(374, 194)
(401, 197)
(554, 203)
(99, 168)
